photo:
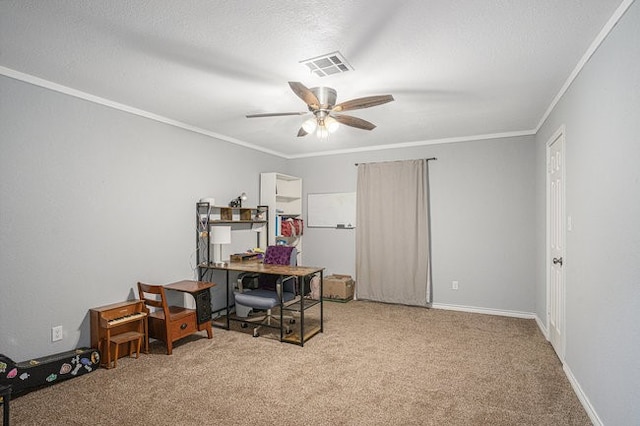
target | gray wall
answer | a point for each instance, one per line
(601, 113)
(93, 200)
(483, 218)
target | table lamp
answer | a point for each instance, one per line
(237, 202)
(219, 235)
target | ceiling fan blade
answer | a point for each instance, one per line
(302, 132)
(366, 102)
(349, 120)
(305, 94)
(275, 114)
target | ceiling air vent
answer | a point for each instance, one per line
(331, 63)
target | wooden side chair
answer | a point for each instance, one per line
(166, 323)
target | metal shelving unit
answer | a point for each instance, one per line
(208, 215)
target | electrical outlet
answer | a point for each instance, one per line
(454, 285)
(56, 333)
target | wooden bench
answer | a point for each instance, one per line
(127, 337)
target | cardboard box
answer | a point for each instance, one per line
(338, 287)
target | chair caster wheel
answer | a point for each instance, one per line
(244, 325)
(256, 334)
(292, 321)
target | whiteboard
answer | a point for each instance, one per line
(336, 210)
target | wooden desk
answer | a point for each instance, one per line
(200, 292)
(299, 304)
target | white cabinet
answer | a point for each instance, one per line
(283, 194)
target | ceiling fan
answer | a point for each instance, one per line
(322, 104)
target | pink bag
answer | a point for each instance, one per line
(292, 227)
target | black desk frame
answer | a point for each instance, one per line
(300, 304)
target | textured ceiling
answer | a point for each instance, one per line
(457, 68)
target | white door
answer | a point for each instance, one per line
(556, 238)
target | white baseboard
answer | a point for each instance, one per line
(543, 328)
(491, 311)
(591, 412)
(487, 311)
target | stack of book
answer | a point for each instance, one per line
(243, 257)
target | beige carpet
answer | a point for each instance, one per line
(375, 364)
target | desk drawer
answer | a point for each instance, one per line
(184, 327)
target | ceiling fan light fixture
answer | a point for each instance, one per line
(331, 124)
(321, 102)
(322, 133)
(310, 125)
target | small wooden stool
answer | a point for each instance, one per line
(128, 337)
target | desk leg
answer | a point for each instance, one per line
(302, 311)
(281, 310)
(226, 295)
(321, 305)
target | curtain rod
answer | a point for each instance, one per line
(426, 159)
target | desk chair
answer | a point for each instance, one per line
(270, 289)
(166, 323)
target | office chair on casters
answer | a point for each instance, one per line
(269, 290)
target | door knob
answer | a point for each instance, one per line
(557, 260)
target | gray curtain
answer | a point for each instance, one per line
(392, 235)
